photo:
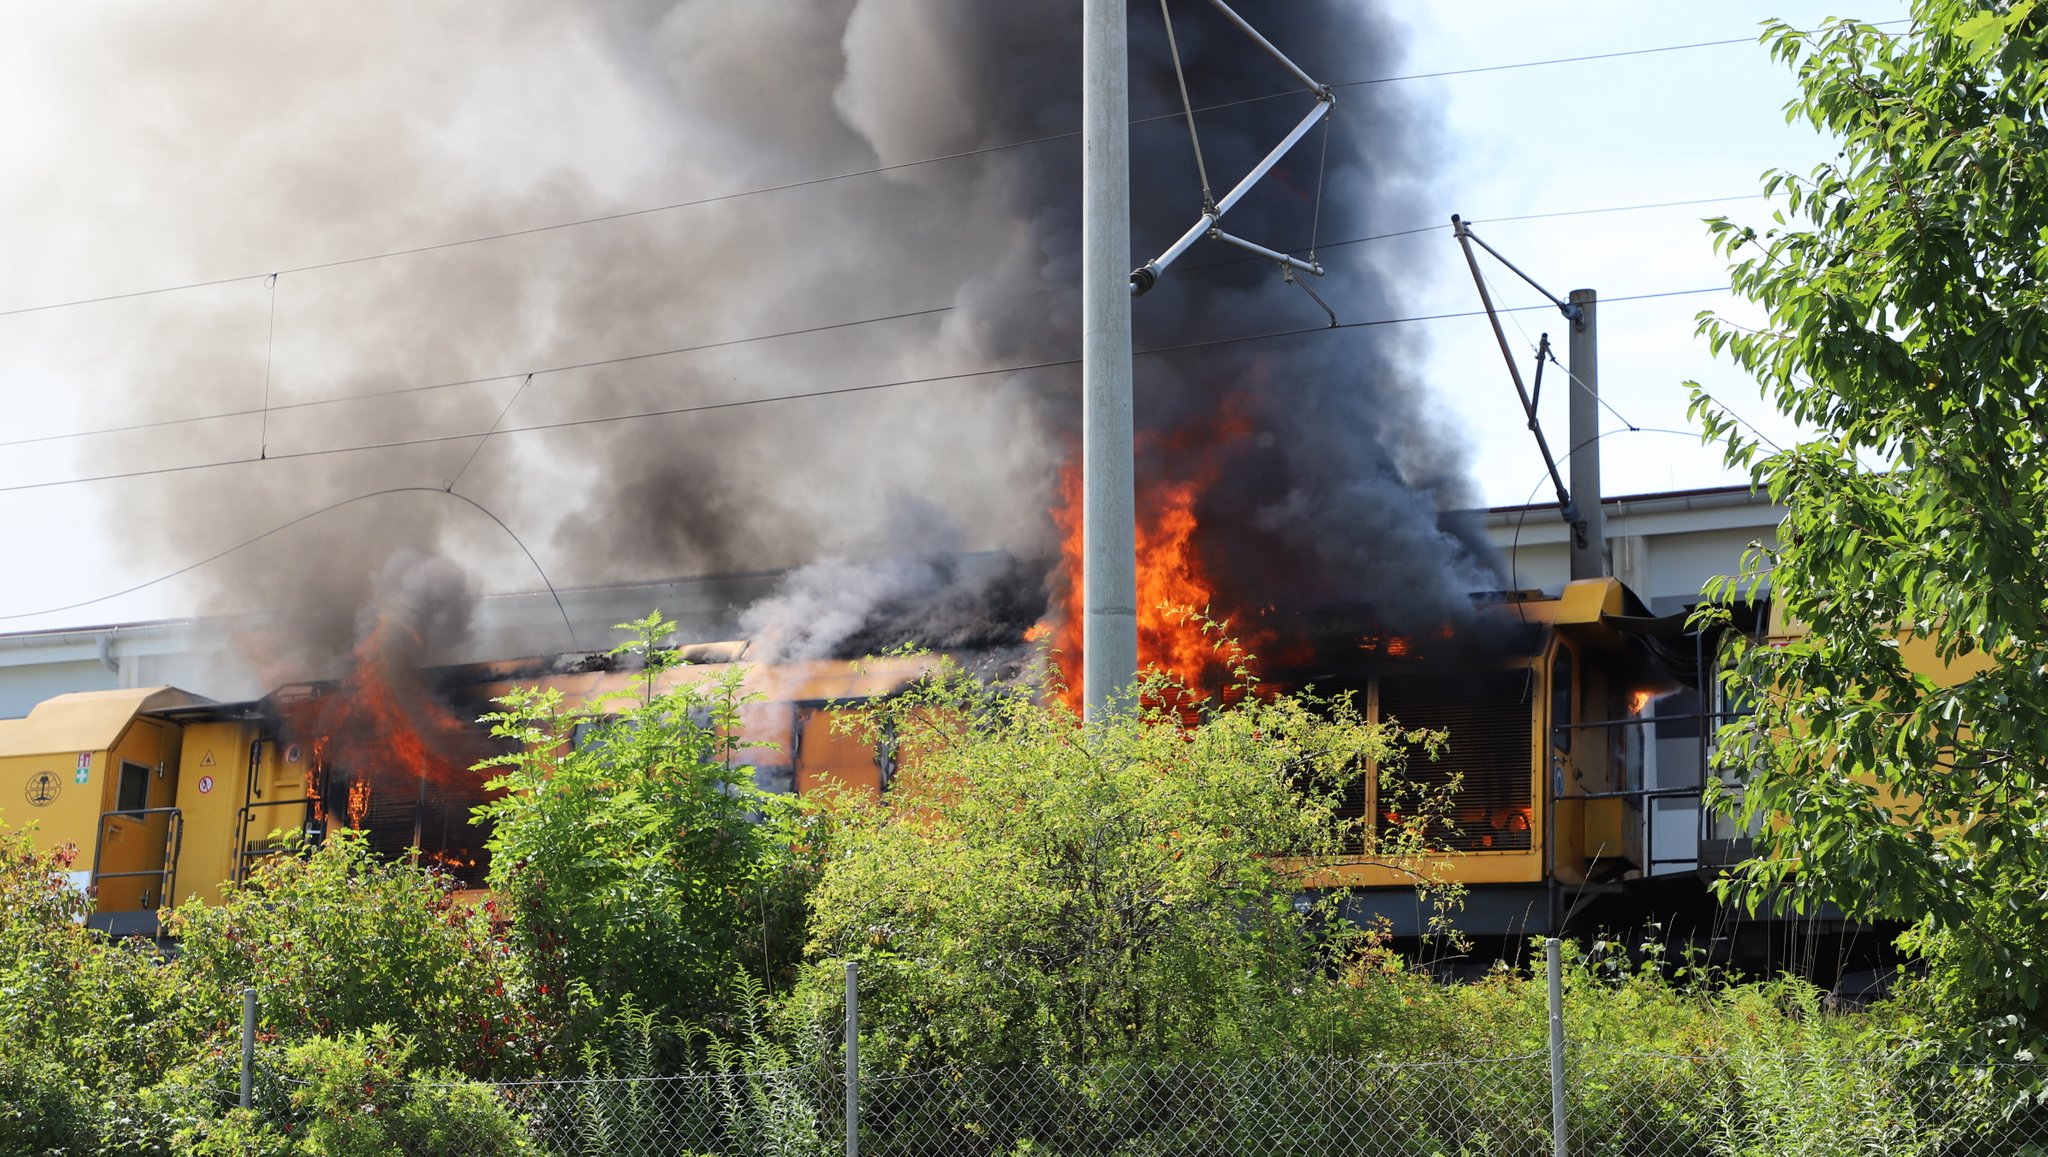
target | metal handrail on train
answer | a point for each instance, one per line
(174, 841)
(245, 817)
(1648, 796)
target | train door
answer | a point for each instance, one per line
(140, 829)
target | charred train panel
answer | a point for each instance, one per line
(1488, 717)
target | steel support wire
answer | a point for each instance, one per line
(1147, 275)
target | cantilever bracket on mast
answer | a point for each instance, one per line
(1465, 239)
(1147, 275)
(1465, 234)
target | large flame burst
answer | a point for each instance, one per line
(398, 757)
(1172, 581)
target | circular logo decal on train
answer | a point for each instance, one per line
(42, 789)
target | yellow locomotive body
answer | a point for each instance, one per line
(164, 796)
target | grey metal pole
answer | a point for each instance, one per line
(852, 1058)
(248, 1048)
(1589, 535)
(1553, 966)
(1109, 578)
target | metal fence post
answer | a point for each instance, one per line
(1553, 966)
(852, 1059)
(248, 1047)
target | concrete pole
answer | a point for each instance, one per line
(248, 1047)
(1589, 534)
(852, 1058)
(1553, 968)
(1109, 582)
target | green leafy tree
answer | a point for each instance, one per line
(338, 940)
(633, 853)
(1035, 889)
(1904, 288)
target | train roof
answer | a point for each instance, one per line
(85, 720)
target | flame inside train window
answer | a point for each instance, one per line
(1482, 785)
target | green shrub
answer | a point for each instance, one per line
(43, 1109)
(354, 1095)
(358, 1097)
(338, 940)
(1036, 889)
(82, 1017)
(633, 853)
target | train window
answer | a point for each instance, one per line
(133, 793)
(1562, 677)
(824, 752)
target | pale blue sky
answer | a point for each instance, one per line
(1653, 128)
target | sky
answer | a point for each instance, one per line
(1515, 142)
(1648, 129)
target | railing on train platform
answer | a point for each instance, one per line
(1641, 795)
(166, 874)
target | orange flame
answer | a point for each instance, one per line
(385, 735)
(1637, 700)
(316, 772)
(1171, 579)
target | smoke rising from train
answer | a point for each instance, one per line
(294, 134)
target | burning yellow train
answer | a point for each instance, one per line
(1578, 738)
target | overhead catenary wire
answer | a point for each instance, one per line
(1578, 384)
(495, 423)
(269, 349)
(223, 415)
(306, 517)
(845, 175)
(484, 379)
(807, 395)
(329, 508)
(1437, 227)
(1546, 352)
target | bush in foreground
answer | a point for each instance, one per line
(1032, 888)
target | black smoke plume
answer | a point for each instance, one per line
(299, 134)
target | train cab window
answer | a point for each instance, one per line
(133, 793)
(1562, 678)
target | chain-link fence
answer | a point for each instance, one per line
(1575, 1098)
(1617, 1104)
(1757, 1102)
(781, 1111)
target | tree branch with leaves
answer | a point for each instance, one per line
(1905, 284)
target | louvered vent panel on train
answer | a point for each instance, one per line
(1487, 718)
